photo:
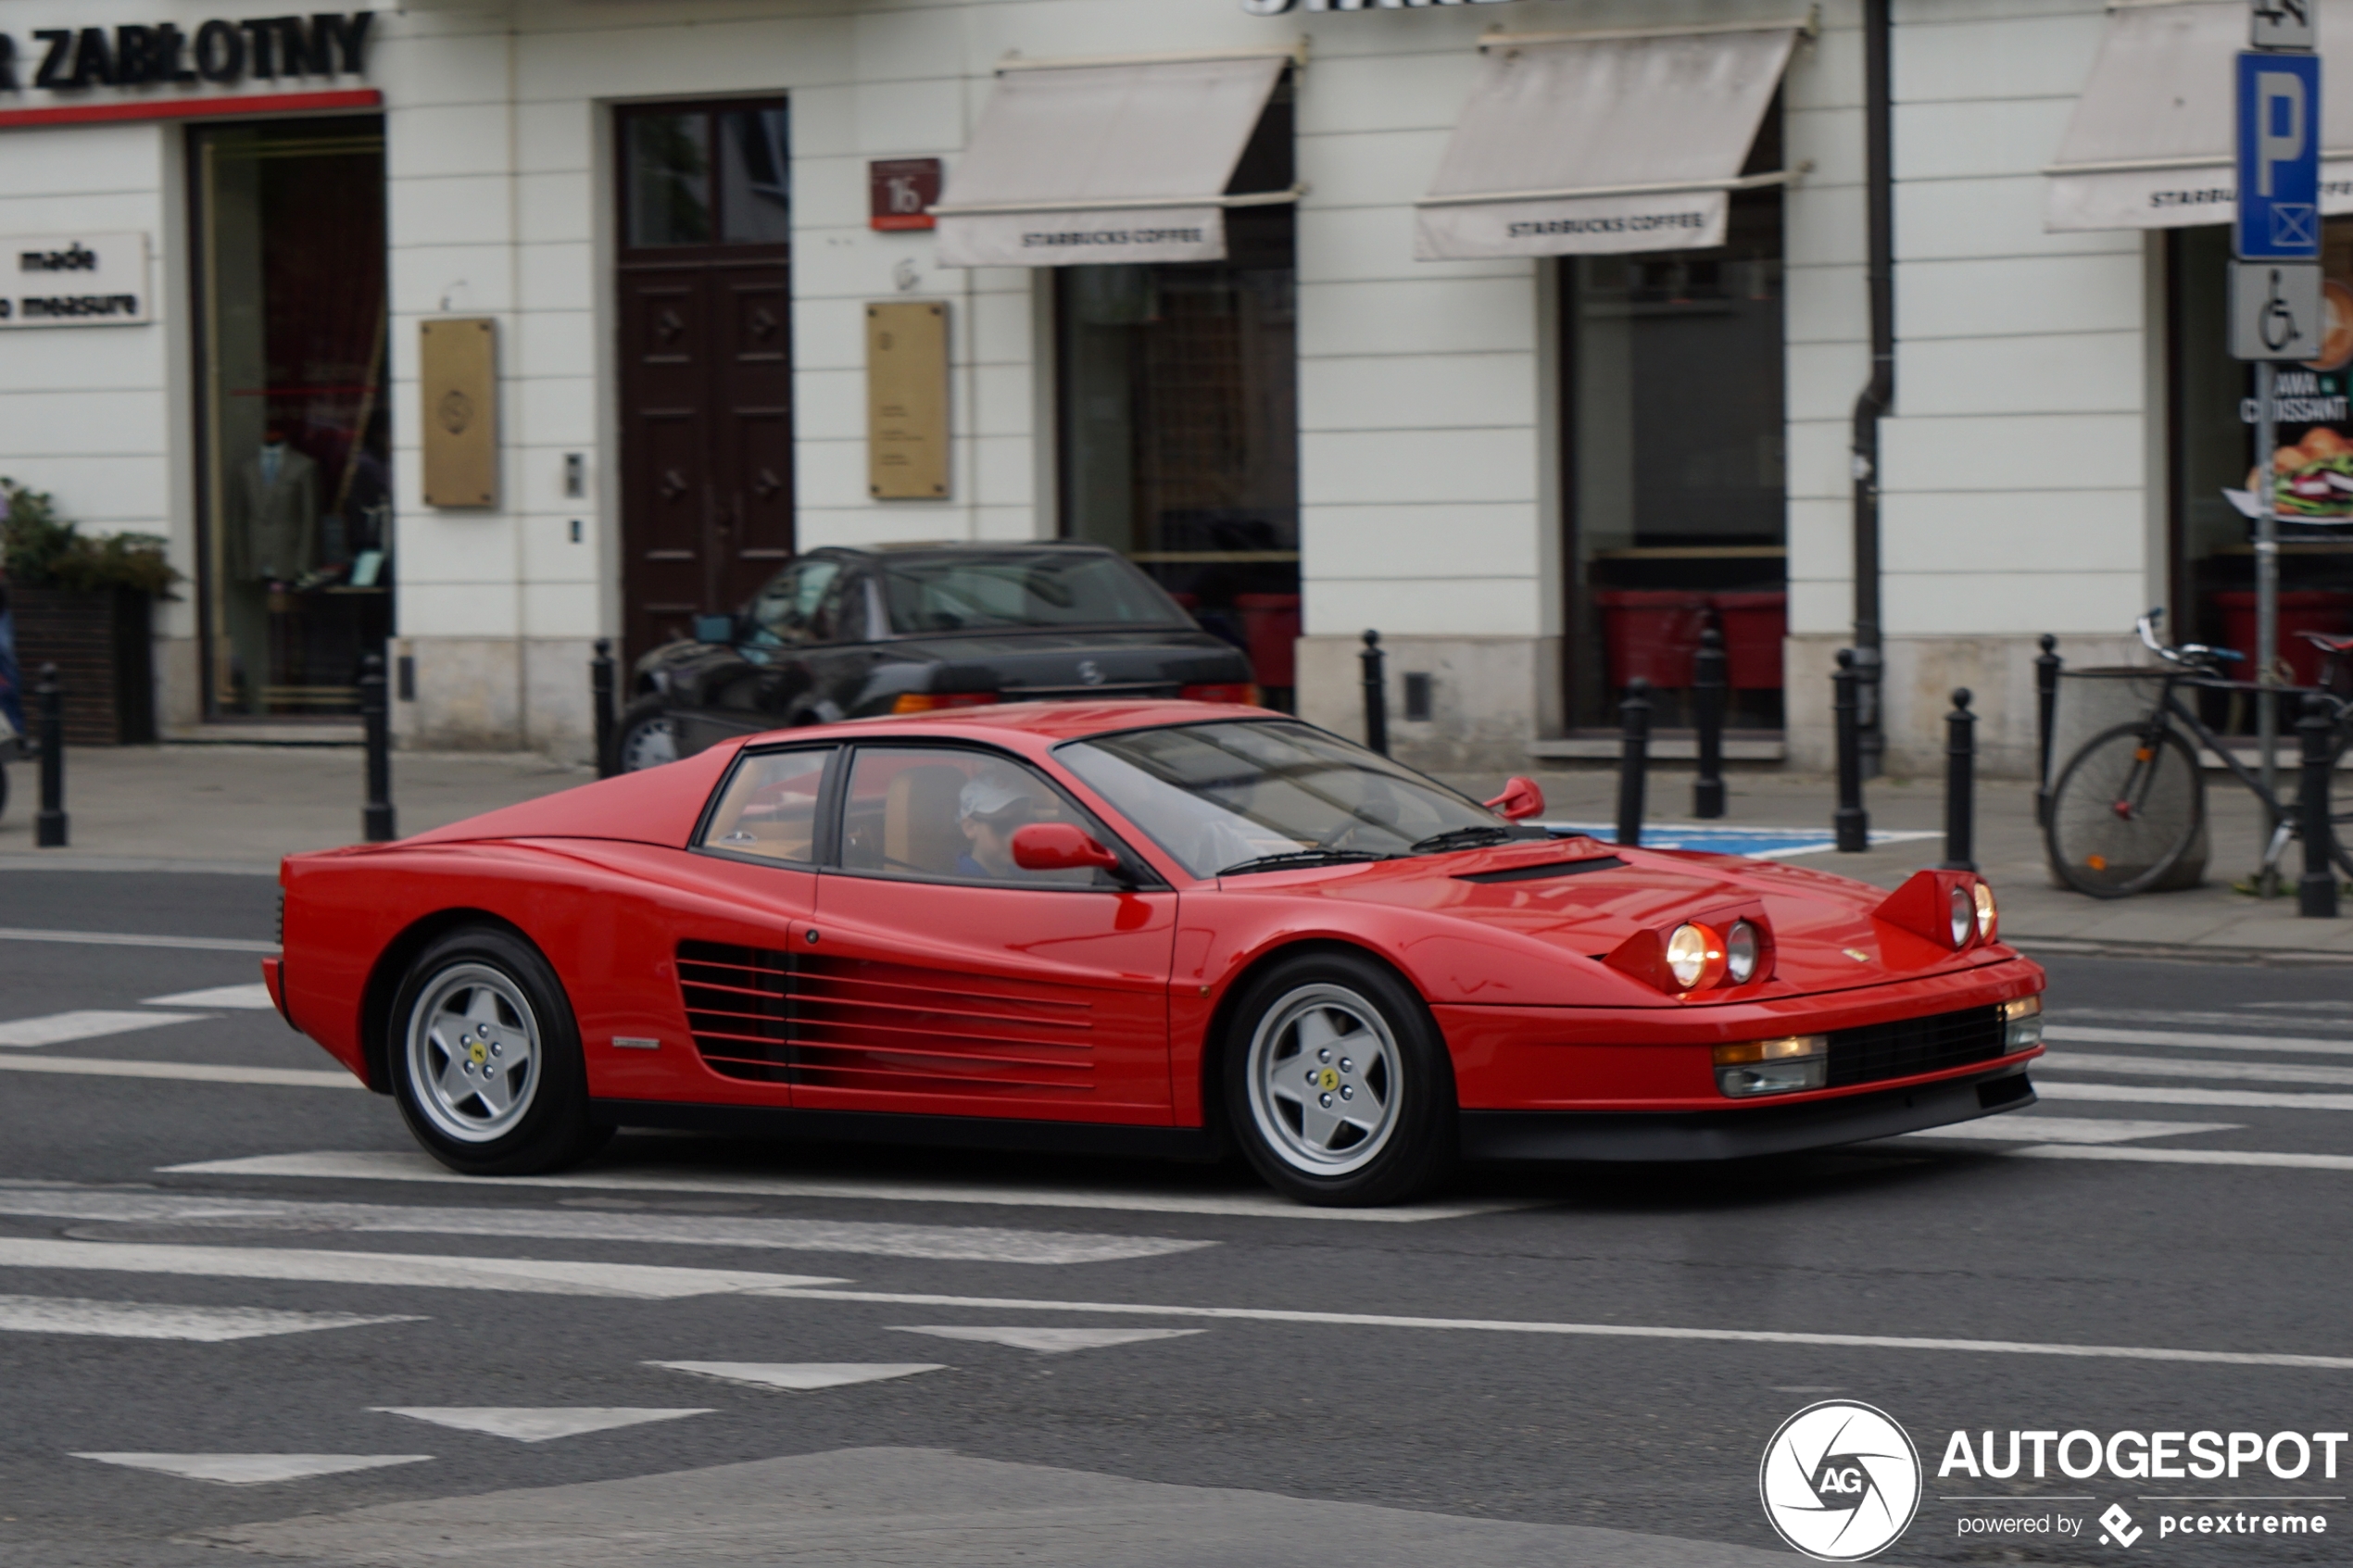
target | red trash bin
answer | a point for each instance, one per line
(1651, 634)
(2308, 609)
(1754, 625)
(1270, 627)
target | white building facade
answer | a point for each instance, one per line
(1529, 332)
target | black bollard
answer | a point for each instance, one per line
(1960, 785)
(2316, 889)
(1852, 823)
(49, 704)
(1707, 695)
(1376, 696)
(1633, 759)
(600, 696)
(2046, 679)
(375, 820)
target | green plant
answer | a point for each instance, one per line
(39, 549)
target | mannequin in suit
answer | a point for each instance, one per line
(270, 538)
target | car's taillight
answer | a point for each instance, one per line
(932, 702)
(1242, 692)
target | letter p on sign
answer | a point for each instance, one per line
(2279, 157)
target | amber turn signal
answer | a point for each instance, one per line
(1242, 691)
(932, 702)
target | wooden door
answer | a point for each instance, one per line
(705, 279)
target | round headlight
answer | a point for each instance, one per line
(1743, 944)
(1986, 921)
(1692, 952)
(1964, 917)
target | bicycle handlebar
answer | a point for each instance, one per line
(2187, 654)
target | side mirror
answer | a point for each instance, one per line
(1520, 799)
(714, 628)
(1059, 846)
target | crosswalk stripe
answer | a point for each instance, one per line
(2079, 1034)
(2028, 1127)
(531, 1275)
(255, 997)
(91, 1024)
(800, 1376)
(1578, 1330)
(1079, 1194)
(2190, 1067)
(2150, 1094)
(2250, 1158)
(182, 1072)
(135, 1320)
(1048, 1341)
(535, 1425)
(969, 1244)
(127, 939)
(250, 1469)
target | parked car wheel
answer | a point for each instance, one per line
(485, 1058)
(646, 736)
(1337, 1084)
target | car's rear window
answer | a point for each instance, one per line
(1045, 588)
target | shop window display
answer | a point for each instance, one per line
(2216, 469)
(296, 566)
(1180, 417)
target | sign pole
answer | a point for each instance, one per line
(2267, 592)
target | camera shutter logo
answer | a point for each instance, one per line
(1840, 1481)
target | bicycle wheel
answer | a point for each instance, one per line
(2122, 815)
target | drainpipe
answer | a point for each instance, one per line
(1878, 394)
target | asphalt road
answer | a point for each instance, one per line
(1495, 1378)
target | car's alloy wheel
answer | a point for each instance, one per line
(485, 1060)
(648, 741)
(1336, 1082)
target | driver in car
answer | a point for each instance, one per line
(989, 808)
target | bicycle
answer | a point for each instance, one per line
(2127, 805)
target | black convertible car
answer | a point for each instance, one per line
(850, 633)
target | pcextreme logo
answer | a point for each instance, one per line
(1840, 1481)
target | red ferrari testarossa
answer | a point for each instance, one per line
(1156, 928)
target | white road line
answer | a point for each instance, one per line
(60, 1027)
(2193, 1067)
(529, 1425)
(187, 1071)
(1581, 1330)
(123, 939)
(800, 1376)
(2078, 1034)
(1052, 1341)
(2249, 1158)
(531, 1275)
(249, 1470)
(2073, 1017)
(405, 1167)
(2147, 1094)
(255, 997)
(2032, 1128)
(135, 1319)
(954, 1243)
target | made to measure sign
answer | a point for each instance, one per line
(74, 280)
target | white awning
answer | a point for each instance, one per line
(1079, 163)
(2150, 146)
(1579, 143)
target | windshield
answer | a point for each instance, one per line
(1043, 588)
(1218, 796)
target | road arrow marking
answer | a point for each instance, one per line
(525, 1426)
(801, 1376)
(1053, 1341)
(247, 1470)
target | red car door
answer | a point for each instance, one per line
(946, 980)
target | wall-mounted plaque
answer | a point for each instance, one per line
(907, 400)
(458, 380)
(900, 191)
(74, 280)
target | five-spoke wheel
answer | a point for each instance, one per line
(473, 1048)
(1324, 1079)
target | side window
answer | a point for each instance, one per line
(768, 807)
(940, 812)
(782, 614)
(841, 614)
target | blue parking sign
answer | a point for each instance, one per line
(2279, 157)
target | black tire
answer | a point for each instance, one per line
(645, 736)
(494, 997)
(2120, 821)
(1377, 1043)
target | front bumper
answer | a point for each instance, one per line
(1745, 1132)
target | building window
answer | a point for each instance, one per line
(2214, 469)
(1178, 389)
(295, 565)
(1675, 516)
